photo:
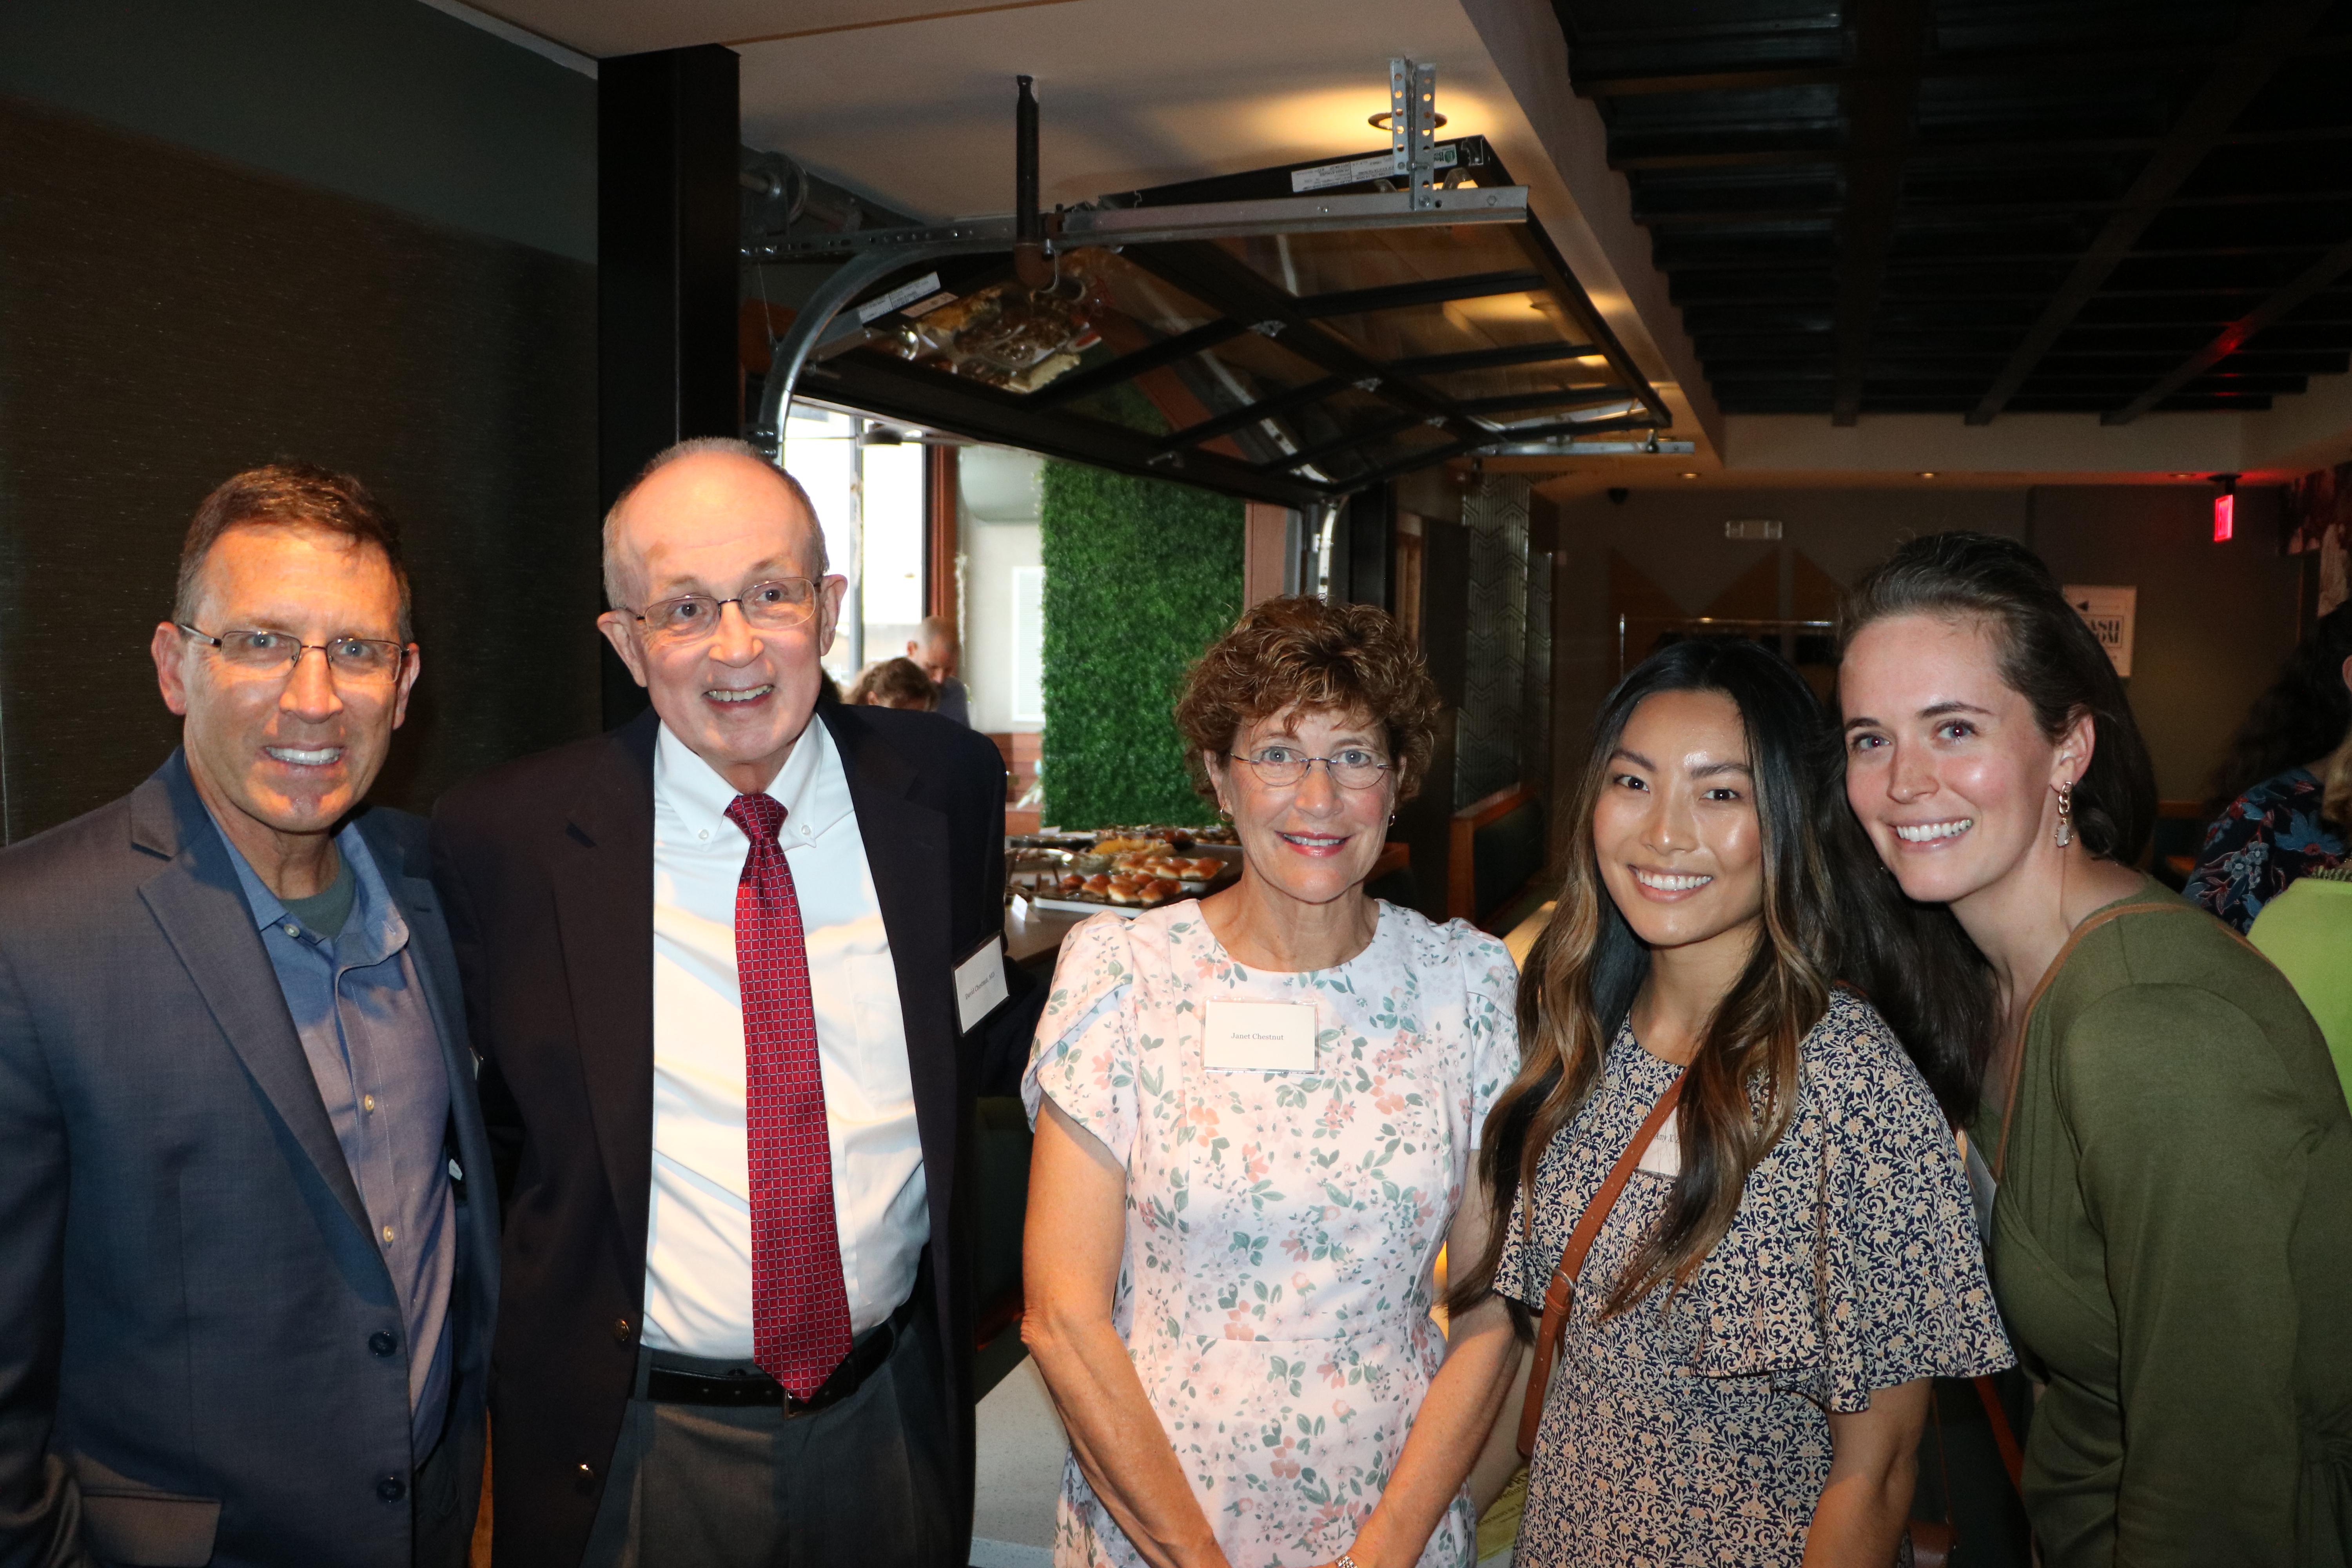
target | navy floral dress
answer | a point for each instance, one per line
(2270, 835)
(1694, 1427)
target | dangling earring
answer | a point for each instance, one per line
(2065, 834)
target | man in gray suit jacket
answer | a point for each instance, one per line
(247, 1221)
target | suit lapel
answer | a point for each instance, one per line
(602, 877)
(197, 902)
(906, 850)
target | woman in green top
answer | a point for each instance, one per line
(2171, 1243)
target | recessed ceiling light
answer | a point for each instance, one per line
(1690, 476)
(2184, 476)
(1926, 473)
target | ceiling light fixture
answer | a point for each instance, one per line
(1690, 476)
(1381, 122)
(1926, 473)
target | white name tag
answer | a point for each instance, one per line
(980, 984)
(1259, 1036)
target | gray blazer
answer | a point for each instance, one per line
(188, 1283)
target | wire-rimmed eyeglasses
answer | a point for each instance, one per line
(264, 652)
(1279, 767)
(773, 606)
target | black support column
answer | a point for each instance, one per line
(667, 127)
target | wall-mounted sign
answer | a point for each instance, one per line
(2109, 613)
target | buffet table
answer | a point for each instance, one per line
(1032, 936)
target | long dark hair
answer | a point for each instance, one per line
(1926, 978)
(1586, 967)
(2303, 717)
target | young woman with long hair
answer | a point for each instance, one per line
(2171, 1237)
(1743, 1366)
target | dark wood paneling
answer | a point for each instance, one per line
(165, 320)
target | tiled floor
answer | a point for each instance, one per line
(1021, 1445)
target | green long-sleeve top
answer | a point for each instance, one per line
(2172, 1252)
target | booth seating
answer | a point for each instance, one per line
(1497, 852)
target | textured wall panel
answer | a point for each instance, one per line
(1486, 739)
(165, 320)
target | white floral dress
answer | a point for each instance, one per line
(1283, 1228)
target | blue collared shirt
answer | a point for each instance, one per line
(369, 1032)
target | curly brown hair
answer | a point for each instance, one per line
(1301, 652)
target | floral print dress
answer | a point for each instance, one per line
(2270, 835)
(1281, 1227)
(1693, 1428)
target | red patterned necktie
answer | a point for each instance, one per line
(800, 1310)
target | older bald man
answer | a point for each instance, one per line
(728, 967)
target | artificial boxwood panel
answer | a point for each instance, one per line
(1140, 575)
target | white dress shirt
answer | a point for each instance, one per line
(699, 1237)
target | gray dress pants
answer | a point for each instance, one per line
(862, 1482)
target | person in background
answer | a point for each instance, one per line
(2306, 931)
(934, 648)
(2283, 798)
(2171, 1233)
(1255, 1116)
(246, 1284)
(1745, 1362)
(894, 683)
(713, 961)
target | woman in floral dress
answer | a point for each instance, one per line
(1255, 1116)
(1744, 1369)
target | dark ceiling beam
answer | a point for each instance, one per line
(1809, 151)
(1427, 291)
(1306, 455)
(1562, 397)
(1890, 40)
(1219, 279)
(2026, 62)
(1125, 367)
(1493, 359)
(1243, 417)
(2274, 34)
(2321, 273)
(898, 389)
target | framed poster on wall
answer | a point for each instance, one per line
(2109, 611)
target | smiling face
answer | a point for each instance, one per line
(716, 524)
(1315, 840)
(1946, 767)
(1675, 830)
(272, 753)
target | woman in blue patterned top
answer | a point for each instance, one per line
(2280, 822)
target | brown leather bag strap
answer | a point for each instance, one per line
(1562, 1286)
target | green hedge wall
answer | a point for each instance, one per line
(1140, 575)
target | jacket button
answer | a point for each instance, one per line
(584, 1479)
(620, 1331)
(392, 1489)
(383, 1341)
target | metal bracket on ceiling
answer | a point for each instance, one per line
(1413, 127)
(871, 255)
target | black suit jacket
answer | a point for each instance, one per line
(189, 1284)
(547, 865)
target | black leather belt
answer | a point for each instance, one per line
(670, 1382)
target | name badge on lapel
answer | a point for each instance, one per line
(1259, 1036)
(980, 984)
